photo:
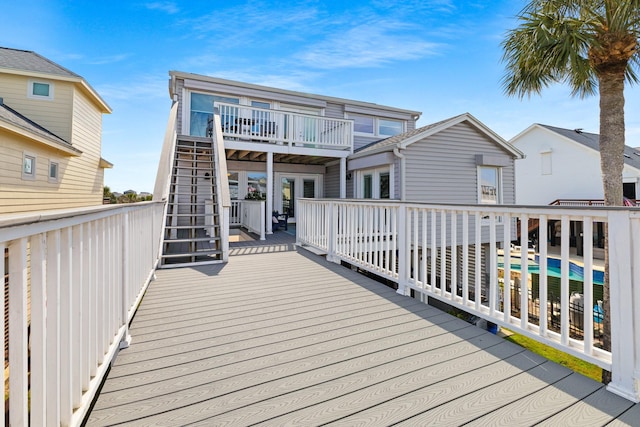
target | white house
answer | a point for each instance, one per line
(564, 164)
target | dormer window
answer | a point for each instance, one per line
(40, 90)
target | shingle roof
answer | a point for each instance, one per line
(592, 140)
(11, 116)
(26, 60)
(391, 142)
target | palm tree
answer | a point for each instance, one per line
(591, 45)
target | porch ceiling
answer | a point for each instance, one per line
(257, 156)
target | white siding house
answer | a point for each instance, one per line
(564, 164)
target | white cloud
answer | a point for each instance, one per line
(369, 44)
(104, 60)
(168, 7)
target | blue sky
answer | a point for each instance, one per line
(441, 57)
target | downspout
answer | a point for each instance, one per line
(402, 157)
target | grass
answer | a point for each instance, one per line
(577, 365)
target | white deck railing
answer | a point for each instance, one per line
(249, 214)
(411, 244)
(75, 278)
(282, 127)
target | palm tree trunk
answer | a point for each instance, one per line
(611, 86)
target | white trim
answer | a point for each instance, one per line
(30, 86)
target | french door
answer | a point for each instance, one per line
(291, 188)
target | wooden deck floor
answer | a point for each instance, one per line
(282, 337)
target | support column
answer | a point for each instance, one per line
(270, 181)
(343, 178)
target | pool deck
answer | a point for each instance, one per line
(279, 336)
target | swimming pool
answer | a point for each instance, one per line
(576, 272)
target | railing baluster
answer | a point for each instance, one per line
(493, 266)
(542, 262)
(53, 328)
(564, 281)
(65, 337)
(524, 271)
(465, 258)
(506, 262)
(587, 305)
(38, 414)
(18, 340)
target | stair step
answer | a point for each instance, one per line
(194, 254)
(193, 239)
(187, 227)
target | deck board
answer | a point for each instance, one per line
(283, 337)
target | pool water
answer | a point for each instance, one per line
(576, 272)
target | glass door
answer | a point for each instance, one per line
(293, 187)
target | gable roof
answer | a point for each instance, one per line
(589, 140)
(15, 122)
(26, 62)
(405, 139)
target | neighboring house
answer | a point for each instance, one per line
(564, 164)
(50, 136)
(458, 160)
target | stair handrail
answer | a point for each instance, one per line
(163, 177)
(222, 181)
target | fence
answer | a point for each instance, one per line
(74, 278)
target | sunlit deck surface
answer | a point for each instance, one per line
(282, 337)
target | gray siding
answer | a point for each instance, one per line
(332, 182)
(442, 168)
(335, 111)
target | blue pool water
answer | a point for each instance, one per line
(576, 272)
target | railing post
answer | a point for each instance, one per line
(332, 233)
(625, 338)
(403, 250)
(126, 338)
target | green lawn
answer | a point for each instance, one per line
(571, 362)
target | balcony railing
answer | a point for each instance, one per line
(74, 279)
(282, 127)
(454, 254)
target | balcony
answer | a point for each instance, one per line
(281, 335)
(240, 123)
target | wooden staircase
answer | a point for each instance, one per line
(192, 222)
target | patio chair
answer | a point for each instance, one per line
(279, 220)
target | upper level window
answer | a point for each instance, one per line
(376, 126)
(363, 124)
(40, 90)
(202, 111)
(389, 127)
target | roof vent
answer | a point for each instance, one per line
(1, 101)
(578, 130)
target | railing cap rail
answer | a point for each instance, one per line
(26, 218)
